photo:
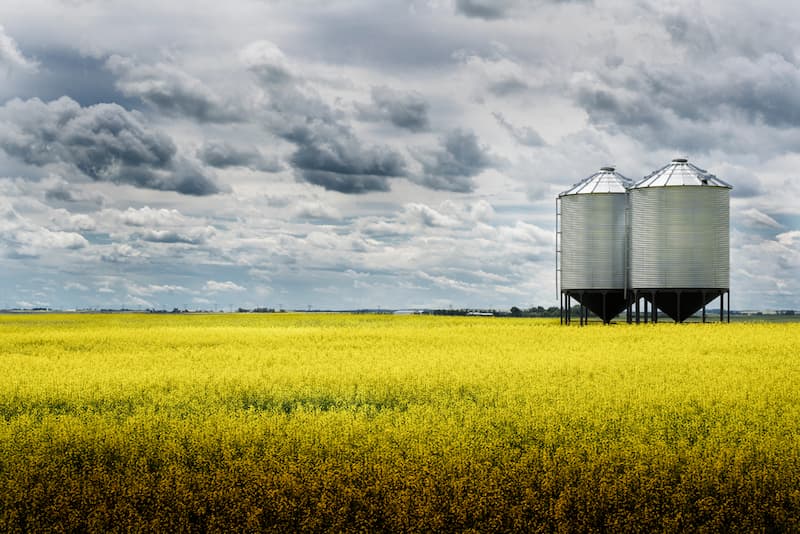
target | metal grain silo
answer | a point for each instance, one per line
(679, 232)
(592, 244)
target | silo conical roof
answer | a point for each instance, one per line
(606, 180)
(679, 172)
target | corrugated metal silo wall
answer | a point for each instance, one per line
(593, 241)
(680, 237)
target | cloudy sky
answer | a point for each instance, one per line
(364, 153)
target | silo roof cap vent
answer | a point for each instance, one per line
(606, 180)
(680, 160)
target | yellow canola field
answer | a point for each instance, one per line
(287, 422)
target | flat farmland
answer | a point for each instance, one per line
(312, 422)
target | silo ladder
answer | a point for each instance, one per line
(558, 246)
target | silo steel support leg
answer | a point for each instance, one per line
(729, 306)
(631, 303)
(646, 311)
(628, 309)
(637, 308)
(721, 306)
(585, 312)
(569, 305)
(655, 308)
(704, 306)
(628, 317)
(605, 319)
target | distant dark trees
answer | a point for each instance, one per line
(515, 311)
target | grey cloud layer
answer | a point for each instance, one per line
(104, 142)
(223, 155)
(336, 161)
(713, 90)
(485, 9)
(453, 166)
(524, 135)
(368, 152)
(171, 91)
(404, 110)
(10, 54)
(498, 9)
(327, 153)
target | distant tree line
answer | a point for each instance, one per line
(536, 311)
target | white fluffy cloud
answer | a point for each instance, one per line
(213, 286)
(23, 237)
(10, 54)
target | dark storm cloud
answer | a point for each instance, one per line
(171, 91)
(327, 153)
(484, 9)
(452, 166)
(508, 86)
(93, 138)
(223, 155)
(60, 193)
(499, 9)
(348, 184)
(331, 156)
(404, 110)
(335, 159)
(104, 142)
(192, 237)
(524, 135)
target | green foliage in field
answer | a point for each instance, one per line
(326, 422)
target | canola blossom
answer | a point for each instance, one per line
(314, 422)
